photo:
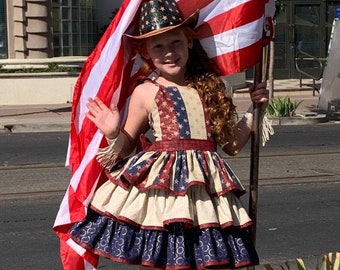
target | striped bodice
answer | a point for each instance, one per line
(179, 113)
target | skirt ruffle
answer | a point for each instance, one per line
(176, 171)
(170, 210)
(174, 248)
(155, 208)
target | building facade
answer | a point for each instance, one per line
(31, 29)
(303, 26)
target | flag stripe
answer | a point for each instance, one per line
(187, 7)
(101, 75)
(85, 138)
(241, 58)
(107, 60)
(227, 39)
(230, 19)
(232, 34)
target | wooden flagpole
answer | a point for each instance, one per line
(260, 74)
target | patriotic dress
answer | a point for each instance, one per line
(175, 204)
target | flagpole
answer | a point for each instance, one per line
(260, 74)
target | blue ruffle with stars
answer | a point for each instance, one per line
(175, 248)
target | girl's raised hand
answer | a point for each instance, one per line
(107, 119)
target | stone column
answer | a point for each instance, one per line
(32, 29)
(19, 29)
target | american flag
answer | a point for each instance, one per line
(231, 31)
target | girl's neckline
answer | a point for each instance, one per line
(184, 87)
(167, 83)
(179, 87)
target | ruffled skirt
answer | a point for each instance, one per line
(178, 219)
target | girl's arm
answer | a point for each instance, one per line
(107, 119)
(242, 129)
(137, 121)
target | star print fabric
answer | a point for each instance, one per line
(175, 204)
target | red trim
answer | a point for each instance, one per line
(243, 264)
(119, 182)
(231, 225)
(209, 225)
(188, 223)
(182, 144)
(221, 264)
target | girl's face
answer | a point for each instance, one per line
(169, 53)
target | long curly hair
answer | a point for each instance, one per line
(203, 75)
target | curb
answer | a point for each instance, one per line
(300, 119)
(24, 128)
(34, 128)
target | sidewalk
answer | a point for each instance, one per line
(35, 118)
(56, 117)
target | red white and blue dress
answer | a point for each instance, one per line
(175, 204)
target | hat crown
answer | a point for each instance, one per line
(157, 14)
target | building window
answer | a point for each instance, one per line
(75, 30)
(3, 30)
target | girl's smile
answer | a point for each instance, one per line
(169, 53)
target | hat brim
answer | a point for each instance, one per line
(190, 20)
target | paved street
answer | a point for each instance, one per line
(298, 212)
(33, 180)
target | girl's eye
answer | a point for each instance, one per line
(177, 43)
(158, 47)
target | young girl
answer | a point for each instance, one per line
(174, 203)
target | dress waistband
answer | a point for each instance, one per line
(182, 144)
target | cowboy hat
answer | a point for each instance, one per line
(160, 16)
